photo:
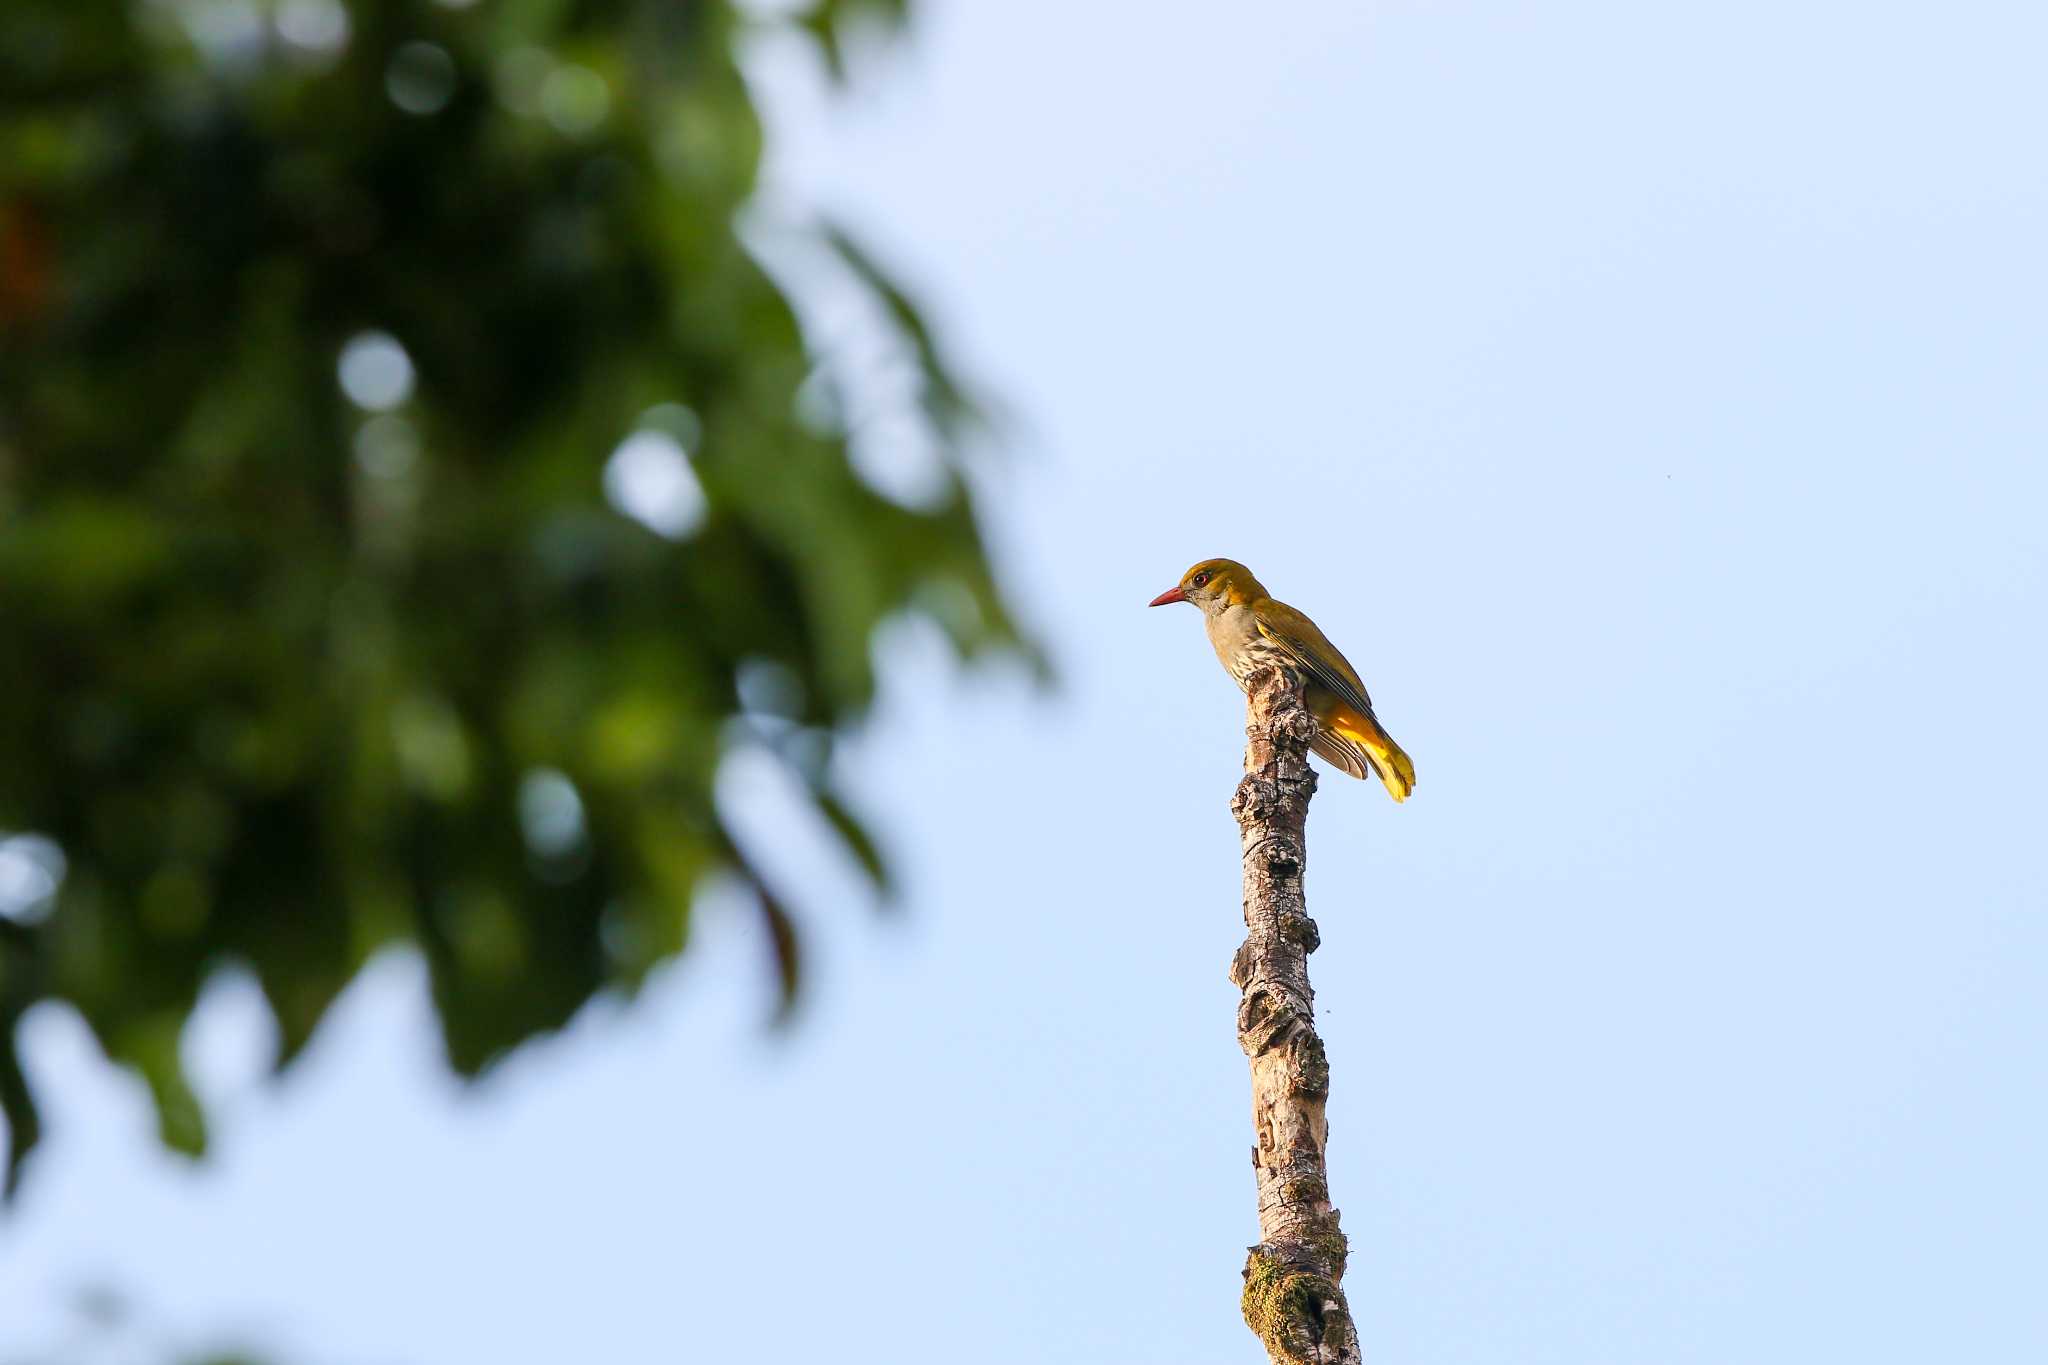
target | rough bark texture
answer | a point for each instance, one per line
(1291, 1294)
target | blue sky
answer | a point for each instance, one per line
(1649, 400)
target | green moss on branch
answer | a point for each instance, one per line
(1283, 1305)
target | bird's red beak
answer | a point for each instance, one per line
(1170, 595)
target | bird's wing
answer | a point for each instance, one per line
(1310, 648)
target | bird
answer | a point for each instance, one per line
(1250, 631)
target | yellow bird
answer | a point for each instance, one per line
(1251, 631)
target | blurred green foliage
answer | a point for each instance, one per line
(293, 668)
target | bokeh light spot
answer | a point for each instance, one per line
(433, 753)
(387, 447)
(550, 813)
(650, 480)
(319, 26)
(31, 869)
(420, 78)
(574, 99)
(519, 76)
(769, 690)
(376, 373)
(226, 32)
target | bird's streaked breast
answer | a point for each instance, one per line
(1234, 632)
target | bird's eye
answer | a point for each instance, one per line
(1200, 579)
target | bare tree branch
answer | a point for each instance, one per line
(1292, 1298)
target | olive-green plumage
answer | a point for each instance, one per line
(1250, 631)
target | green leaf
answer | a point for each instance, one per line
(831, 22)
(951, 411)
(854, 835)
(17, 1106)
(151, 1047)
(782, 938)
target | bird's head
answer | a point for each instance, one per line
(1213, 585)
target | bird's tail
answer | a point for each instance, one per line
(1367, 741)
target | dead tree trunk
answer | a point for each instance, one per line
(1291, 1294)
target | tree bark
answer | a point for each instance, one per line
(1292, 1298)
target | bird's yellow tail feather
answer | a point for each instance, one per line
(1389, 760)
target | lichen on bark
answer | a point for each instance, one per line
(1293, 1298)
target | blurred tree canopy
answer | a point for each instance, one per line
(410, 488)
